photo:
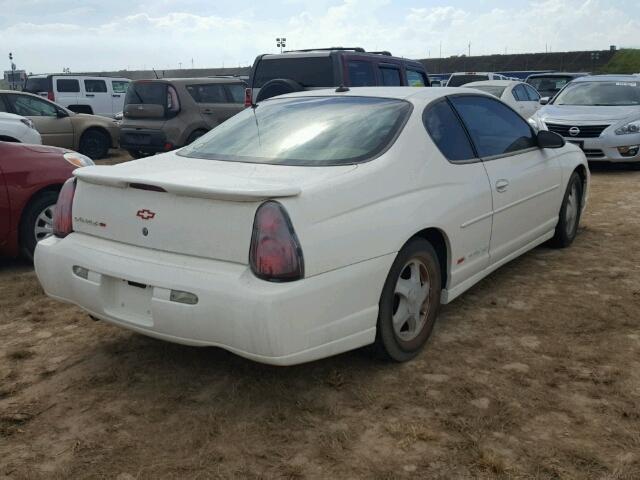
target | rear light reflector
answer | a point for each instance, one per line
(187, 298)
(62, 219)
(168, 146)
(248, 97)
(275, 253)
(50, 96)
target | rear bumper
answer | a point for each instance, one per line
(143, 140)
(275, 323)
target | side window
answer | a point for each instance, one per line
(95, 86)
(211, 93)
(361, 74)
(447, 132)
(494, 128)
(236, 92)
(531, 93)
(28, 106)
(67, 86)
(3, 106)
(416, 78)
(391, 76)
(119, 86)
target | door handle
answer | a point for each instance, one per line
(90, 95)
(502, 185)
(208, 112)
(116, 96)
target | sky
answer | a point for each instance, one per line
(46, 36)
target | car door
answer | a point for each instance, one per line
(525, 179)
(53, 123)
(214, 104)
(118, 92)
(467, 185)
(97, 95)
(390, 75)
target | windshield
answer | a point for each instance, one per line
(549, 84)
(37, 84)
(459, 80)
(305, 131)
(613, 93)
(492, 89)
(307, 71)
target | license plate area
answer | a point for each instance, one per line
(130, 301)
(138, 138)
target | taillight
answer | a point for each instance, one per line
(50, 96)
(275, 252)
(62, 219)
(248, 100)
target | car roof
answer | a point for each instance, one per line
(321, 52)
(607, 78)
(182, 81)
(414, 94)
(493, 83)
(558, 74)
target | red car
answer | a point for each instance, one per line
(30, 178)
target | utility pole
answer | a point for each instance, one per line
(469, 49)
(281, 42)
(13, 72)
(440, 48)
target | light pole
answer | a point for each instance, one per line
(281, 42)
(13, 72)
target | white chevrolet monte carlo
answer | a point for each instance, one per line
(315, 222)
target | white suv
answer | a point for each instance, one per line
(14, 128)
(80, 93)
(458, 79)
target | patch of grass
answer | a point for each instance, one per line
(626, 60)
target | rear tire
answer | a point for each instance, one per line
(194, 136)
(37, 222)
(95, 144)
(409, 302)
(570, 212)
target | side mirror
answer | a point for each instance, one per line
(547, 139)
(544, 100)
(61, 113)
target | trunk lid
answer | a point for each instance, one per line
(196, 207)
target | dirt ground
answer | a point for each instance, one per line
(533, 374)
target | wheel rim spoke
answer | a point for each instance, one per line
(44, 224)
(411, 300)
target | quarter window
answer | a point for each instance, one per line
(236, 92)
(361, 74)
(520, 93)
(494, 128)
(28, 106)
(416, 78)
(211, 93)
(447, 132)
(68, 86)
(119, 86)
(95, 86)
(390, 76)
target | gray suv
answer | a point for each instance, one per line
(277, 74)
(161, 115)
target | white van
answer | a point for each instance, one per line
(81, 93)
(458, 79)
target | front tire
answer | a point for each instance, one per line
(570, 211)
(94, 144)
(37, 222)
(409, 302)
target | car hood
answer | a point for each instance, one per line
(94, 120)
(575, 113)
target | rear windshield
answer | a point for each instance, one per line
(307, 71)
(492, 89)
(150, 93)
(312, 131)
(549, 84)
(37, 84)
(458, 80)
